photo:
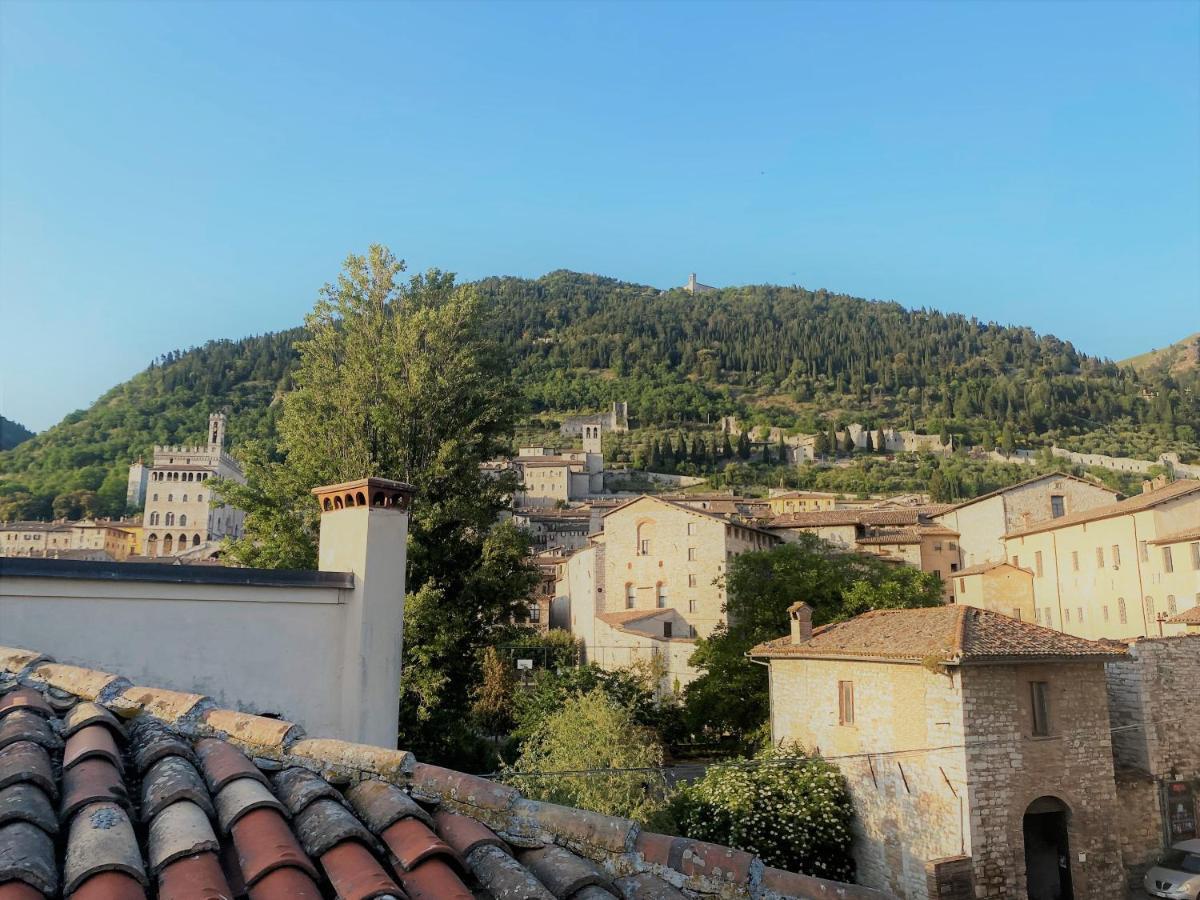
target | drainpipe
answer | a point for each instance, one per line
(1141, 598)
(1057, 585)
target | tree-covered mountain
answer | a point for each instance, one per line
(12, 433)
(771, 355)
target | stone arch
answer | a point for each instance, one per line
(360, 499)
(168, 544)
(328, 504)
(183, 518)
(182, 541)
(170, 519)
(378, 499)
(349, 501)
(195, 540)
(337, 503)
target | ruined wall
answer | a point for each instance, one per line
(1008, 768)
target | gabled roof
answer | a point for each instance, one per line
(1020, 484)
(704, 513)
(231, 804)
(1136, 503)
(988, 567)
(1187, 617)
(950, 635)
(625, 616)
(1188, 534)
(832, 517)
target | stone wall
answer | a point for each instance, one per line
(1008, 768)
(1140, 798)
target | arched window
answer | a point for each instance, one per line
(645, 538)
(1171, 610)
(170, 518)
(156, 496)
(182, 542)
(183, 518)
(152, 545)
(1121, 614)
(168, 544)
(1150, 608)
(185, 498)
(195, 540)
(662, 596)
(199, 498)
(630, 596)
(170, 498)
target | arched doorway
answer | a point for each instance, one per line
(1047, 850)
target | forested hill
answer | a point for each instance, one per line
(12, 433)
(777, 355)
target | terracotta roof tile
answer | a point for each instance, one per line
(26, 802)
(169, 781)
(222, 763)
(1187, 617)
(111, 886)
(411, 842)
(355, 874)
(324, 824)
(1136, 503)
(94, 741)
(84, 714)
(951, 634)
(298, 788)
(1178, 537)
(169, 706)
(19, 890)
(196, 877)
(179, 831)
(463, 833)
(23, 725)
(25, 761)
(434, 880)
(560, 870)
(239, 797)
(380, 804)
(91, 781)
(250, 731)
(27, 854)
(284, 884)
(16, 659)
(151, 741)
(85, 683)
(265, 843)
(25, 698)
(504, 877)
(988, 567)
(101, 839)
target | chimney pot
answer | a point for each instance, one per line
(377, 493)
(801, 617)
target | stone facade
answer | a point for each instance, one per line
(180, 516)
(1002, 587)
(615, 420)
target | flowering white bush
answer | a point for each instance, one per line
(794, 814)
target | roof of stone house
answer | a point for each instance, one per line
(906, 535)
(625, 616)
(707, 513)
(1187, 617)
(988, 567)
(821, 517)
(546, 461)
(550, 512)
(1036, 478)
(1188, 534)
(952, 635)
(1136, 503)
(114, 790)
(34, 526)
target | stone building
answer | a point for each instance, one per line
(550, 477)
(1154, 707)
(976, 748)
(998, 586)
(115, 539)
(695, 287)
(180, 516)
(648, 586)
(801, 501)
(616, 420)
(135, 492)
(982, 522)
(1101, 573)
(550, 528)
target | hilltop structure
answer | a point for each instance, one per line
(695, 287)
(615, 420)
(179, 515)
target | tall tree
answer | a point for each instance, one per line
(397, 380)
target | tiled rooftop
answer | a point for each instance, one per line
(1028, 481)
(1190, 534)
(114, 791)
(832, 517)
(987, 567)
(912, 535)
(1136, 503)
(954, 635)
(1187, 617)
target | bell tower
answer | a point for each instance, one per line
(216, 432)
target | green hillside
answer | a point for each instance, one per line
(1181, 359)
(12, 433)
(771, 355)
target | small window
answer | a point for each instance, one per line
(1074, 560)
(666, 629)
(1047, 618)
(1171, 608)
(1079, 614)
(1168, 561)
(1037, 615)
(1195, 556)
(693, 605)
(1016, 614)
(1099, 557)
(1150, 608)
(662, 596)
(1122, 614)
(691, 554)
(937, 545)
(845, 702)
(630, 596)
(962, 585)
(1143, 551)
(1058, 506)
(535, 612)
(1116, 556)
(692, 580)
(1039, 691)
(691, 528)
(1037, 563)
(1016, 562)
(644, 547)
(1104, 612)
(691, 631)
(1067, 614)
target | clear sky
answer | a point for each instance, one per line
(175, 172)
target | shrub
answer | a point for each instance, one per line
(794, 815)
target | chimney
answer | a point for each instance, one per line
(801, 615)
(364, 530)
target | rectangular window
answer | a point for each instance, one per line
(693, 605)
(1116, 556)
(1099, 557)
(691, 631)
(1037, 615)
(1016, 562)
(1058, 507)
(962, 585)
(692, 580)
(1067, 614)
(535, 613)
(1168, 562)
(1016, 614)
(1041, 707)
(1143, 551)
(1196, 556)
(1047, 619)
(1074, 560)
(1037, 563)
(1079, 614)
(937, 545)
(691, 554)
(691, 528)
(1105, 612)
(644, 547)
(845, 702)
(666, 629)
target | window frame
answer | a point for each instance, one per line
(846, 703)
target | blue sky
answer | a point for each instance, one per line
(175, 172)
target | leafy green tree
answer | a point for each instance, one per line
(791, 810)
(492, 698)
(726, 447)
(397, 380)
(880, 441)
(730, 696)
(743, 446)
(590, 732)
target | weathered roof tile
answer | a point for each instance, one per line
(341, 758)
(110, 886)
(297, 788)
(152, 741)
(353, 871)
(23, 725)
(433, 880)
(196, 877)
(222, 763)
(323, 824)
(101, 839)
(560, 870)
(85, 683)
(436, 784)
(94, 741)
(27, 854)
(380, 804)
(91, 781)
(579, 826)
(182, 829)
(503, 876)
(255, 733)
(645, 886)
(284, 884)
(16, 660)
(83, 715)
(264, 843)
(169, 706)
(26, 802)
(463, 833)
(25, 698)
(169, 781)
(239, 797)
(411, 842)
(25, 761)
